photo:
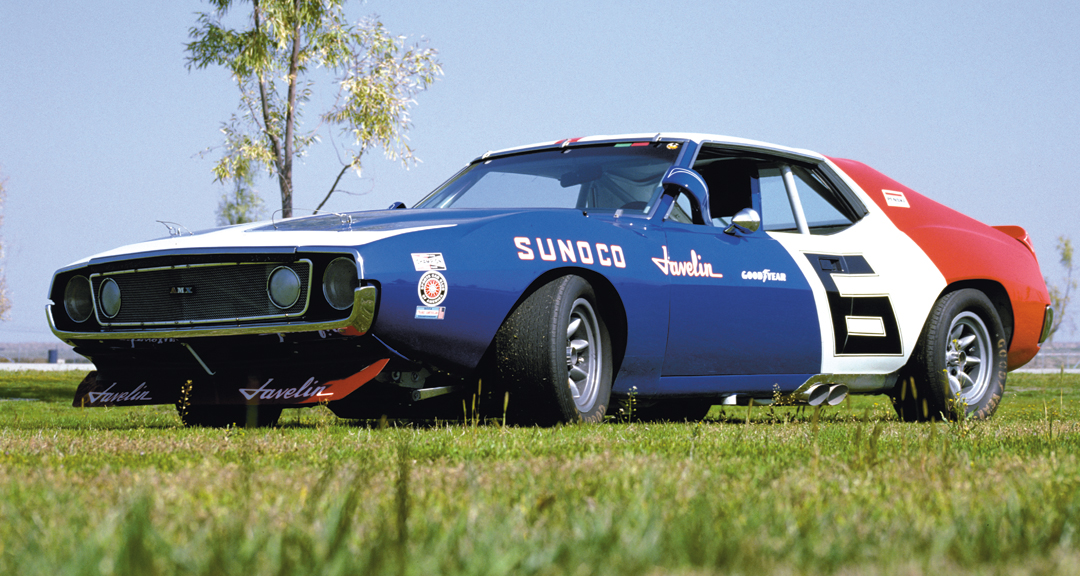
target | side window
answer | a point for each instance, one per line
(776, 214)
(740, 179)
(824, 210)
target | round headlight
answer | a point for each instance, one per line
(283, 287)
(339, 281)
(77, 302)
(109, 296)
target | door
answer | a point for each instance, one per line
(739, 302)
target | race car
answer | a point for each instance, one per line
(550, 283)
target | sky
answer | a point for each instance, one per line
(104, 131)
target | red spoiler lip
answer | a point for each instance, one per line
(1020, 234)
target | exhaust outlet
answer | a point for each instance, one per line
(836, 394)
(815, 395)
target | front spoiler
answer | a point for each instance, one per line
(293, 388)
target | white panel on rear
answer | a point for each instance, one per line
(901, 271)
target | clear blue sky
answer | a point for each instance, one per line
(972, 103)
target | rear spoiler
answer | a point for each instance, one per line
(1020, 234)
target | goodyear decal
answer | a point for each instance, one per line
(765, 275)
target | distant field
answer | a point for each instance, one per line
(748, 491)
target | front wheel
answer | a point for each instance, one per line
(960, 362)
(553, 354)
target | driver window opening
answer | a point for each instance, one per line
(737, 181)
(732, 184)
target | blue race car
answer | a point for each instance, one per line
(554, 280)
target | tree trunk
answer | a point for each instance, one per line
(285, 178)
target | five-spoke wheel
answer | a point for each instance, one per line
(959, 365)
(553, 355)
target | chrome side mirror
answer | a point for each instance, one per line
(746, 221)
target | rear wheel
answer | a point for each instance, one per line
(553, 354)
(960, 362)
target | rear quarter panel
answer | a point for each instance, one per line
(965, 249)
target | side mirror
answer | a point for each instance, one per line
(746, 221)
(694, 186)
(396, 206)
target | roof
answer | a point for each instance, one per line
(698, 138)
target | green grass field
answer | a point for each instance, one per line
(748, 491)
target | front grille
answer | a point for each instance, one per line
(199, 294)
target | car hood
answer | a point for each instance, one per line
(351, 229)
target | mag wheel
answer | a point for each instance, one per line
(959, 366)
(553, 354)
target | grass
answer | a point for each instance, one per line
(846, 491)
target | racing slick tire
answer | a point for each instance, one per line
(960, 363)
(222, 416)
(553, 355)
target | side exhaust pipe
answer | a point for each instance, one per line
(816, 395)
(836, 394)
(827, 394)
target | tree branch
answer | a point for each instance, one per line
(334, 187)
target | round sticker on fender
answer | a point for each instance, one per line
(432, 288)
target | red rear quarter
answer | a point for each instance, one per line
(998, 260)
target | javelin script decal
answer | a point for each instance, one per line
(692, 267)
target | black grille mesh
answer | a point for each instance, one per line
(219, 292)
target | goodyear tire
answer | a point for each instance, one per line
(214, 416)
(553, 354)
(960, 362)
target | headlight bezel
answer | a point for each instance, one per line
(110, 298)
(283, 285)
(78, 294)
(339, 280)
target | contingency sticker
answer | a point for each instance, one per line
(429, 261)
(895, 199)
(430, 312)
(432, 288)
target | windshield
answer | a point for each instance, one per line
(605, 177)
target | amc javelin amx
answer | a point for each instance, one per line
(682, 270)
